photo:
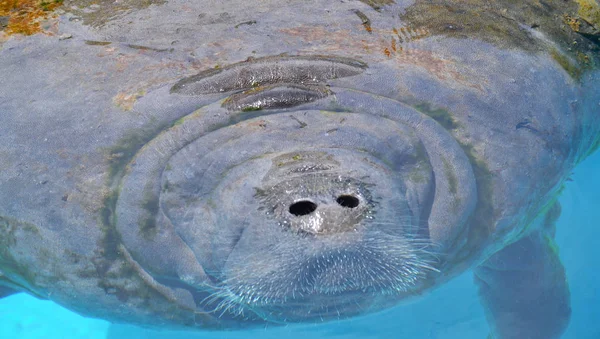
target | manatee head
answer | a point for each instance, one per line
(363, 153)
(314, 226)
(288, 200)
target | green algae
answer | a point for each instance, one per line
(417, 176)
(419, 172)
(96, 13)
(150, 204)
(251, 108)
(453, 185)
(118, 157)
(111, 238)
(366, 22)
(25, 16)
(452, 180)
(571, 67)
(20, 275)
(502, 23)
(378, 4)
(589, 12)
(481, 221)
(442, 116)
(97, 43)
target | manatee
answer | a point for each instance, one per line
(221, 165)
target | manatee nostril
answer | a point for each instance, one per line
(303, 207)
(347, 201)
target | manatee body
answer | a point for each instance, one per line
(218, 165)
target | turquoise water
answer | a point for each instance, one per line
(452, 311)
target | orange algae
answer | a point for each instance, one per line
(24, 16)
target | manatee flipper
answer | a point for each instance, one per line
(523, 287)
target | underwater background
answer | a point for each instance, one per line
(452, 311)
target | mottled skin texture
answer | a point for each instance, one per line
(127, 196)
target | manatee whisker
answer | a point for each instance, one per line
(372, 262)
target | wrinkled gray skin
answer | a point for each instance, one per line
(320, 180)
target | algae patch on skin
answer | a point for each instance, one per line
(378, 4)
(251, 108)
(589, 10)
(484, 209)
(150, 204)
(105, 10)
(125, 101)
(442, 116)
(97, 43)
(509, 24)
(574, 70)
(25, 16)
(452, 183)
(20, 276)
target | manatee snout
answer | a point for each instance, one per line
(323, 215)
(311, 192)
